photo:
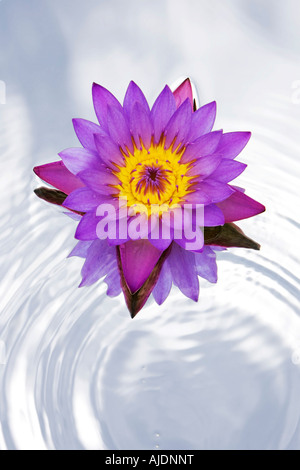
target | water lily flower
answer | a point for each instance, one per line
(150, 190)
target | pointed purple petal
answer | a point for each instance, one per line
(232, 143)
(160, 244)
(228, 170)
(215, 190)
(179, 125)
(58, 176)
(202, 121)
(79, 159)
(164, 284)
(141, 126)
(238, 188)
(213, 216)
(204, 166)
(103, 99)
(87, 227)
(99, 261)
(119, 129)
(99, 181)
(85, 131)
(182, 265)
(134, 95)
(73, 216)
(239, 206)
(119, 235)
(206, 265)
(81, 249)
(205, 145)
(175, 218)
(158, 236)
(118, 240)
(197, 197)
(138, 259)
(113, 281)
(108, 151)
(161, 112)
(83, 200)
(135, 301)
(190, 244)
(183, 92)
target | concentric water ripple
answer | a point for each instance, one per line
(77, 373)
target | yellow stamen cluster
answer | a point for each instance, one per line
(170, 183)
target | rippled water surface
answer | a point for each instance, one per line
(75, 371)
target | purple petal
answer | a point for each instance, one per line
(206, 265)
(175, 218)
(99, 181)
(197, 197)
(118, 128)
(119, 235)
(134, 95)
(182, 265)
(178, 126)
(86, 229)
(85, 131)
(204, 166)
(205, 145)
(103, 99)
(81, 249)
(213, 216)
(164, 284)
(159, 238)
(79, 159)
(215, 190)
(108, 151)
(185, 228)
(58, 176)
(100, 259)
(83, 200)
(138, 226)
(161, 112)
(202, 121)
(141, 126)
(118, 240)
(228, 170)
(160, 243)
(183, 92)
(190, 244)
(232, 144)
(113, 282)
(239, 206)
(238, 188)
(138, 259)
(73, 216)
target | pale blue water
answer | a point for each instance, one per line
(75, 371)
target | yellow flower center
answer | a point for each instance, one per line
(154, 177)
